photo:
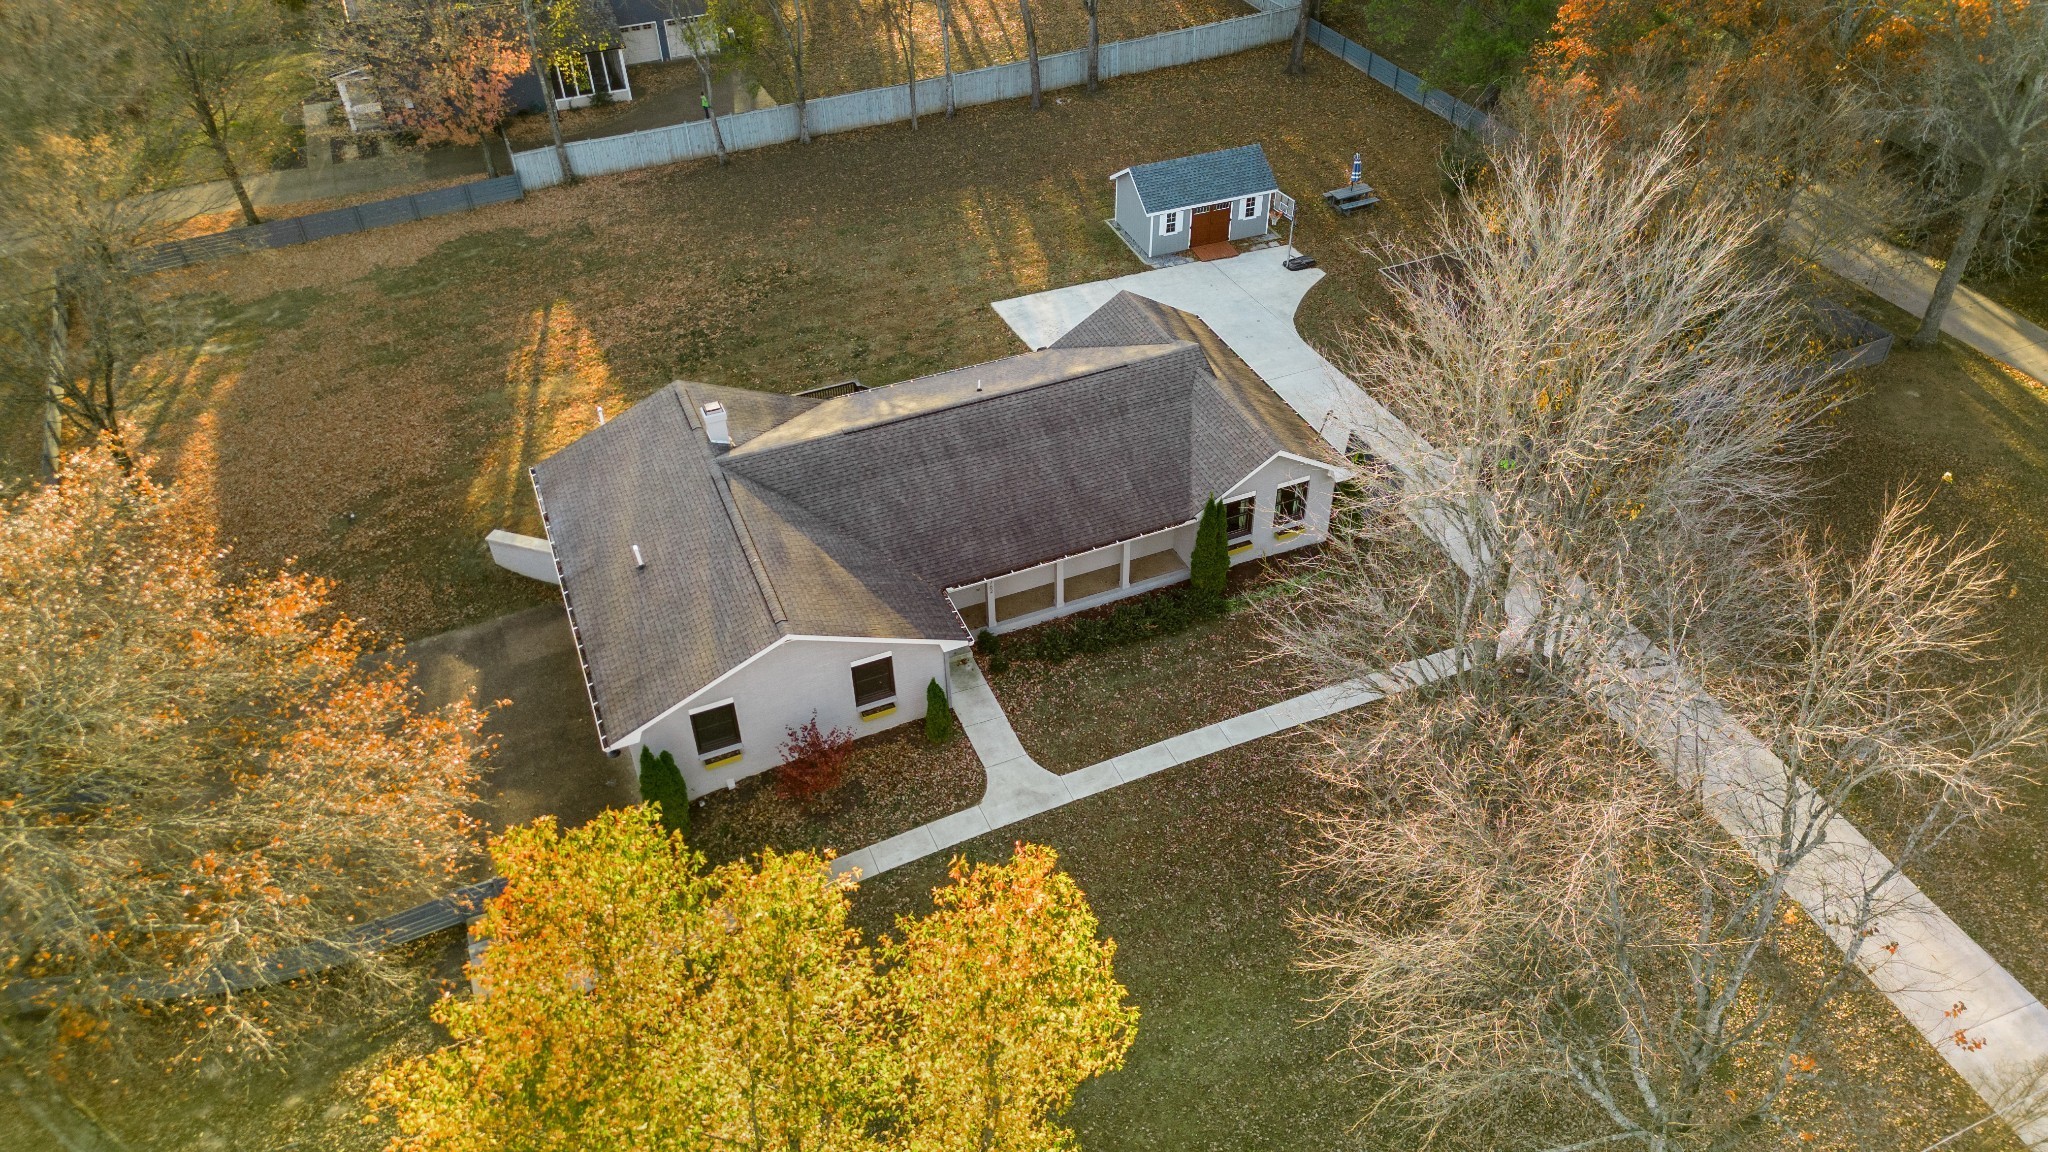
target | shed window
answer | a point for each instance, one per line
(1290, 504)
(717, 730)
(874, 682)
(1237, 519)
(1172, 224)
(1251, 207)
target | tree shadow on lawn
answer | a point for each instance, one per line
(1948, 410)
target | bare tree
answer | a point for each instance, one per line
(701, 39)
(1546, 889)
(946, 52)
(1031, 52)
(99, 343)
(1977, 108)
(901, 17)
(224, 61)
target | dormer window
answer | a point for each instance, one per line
(1290, 505)
(1237, 520)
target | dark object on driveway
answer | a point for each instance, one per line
(1297, 263)
(1351, 198)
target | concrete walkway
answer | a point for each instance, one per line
(1907, 279)
(1019, 789)
(1952, 991)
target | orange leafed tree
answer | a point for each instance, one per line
(443, 68)
(1011, 1003)
(635, 1000)
(202, 773)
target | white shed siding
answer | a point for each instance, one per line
(1165, 243)
(1130, 215)
(781, 687)
(1244, 227)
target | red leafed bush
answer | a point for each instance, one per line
(812, 760)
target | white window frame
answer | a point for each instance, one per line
(1284, 524)
(728, 751)
(1171, 224)
(1251, 531)
(874, 709)
(1251, 208)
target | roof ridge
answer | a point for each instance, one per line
(739, 524)
(1167, 347)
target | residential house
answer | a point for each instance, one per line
(1173, 205)
(735, 562)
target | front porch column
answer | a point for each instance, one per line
(1124, 572)
(989, 590)
(1059, 584)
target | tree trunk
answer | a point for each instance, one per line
(1295, 58)
(704, 74)
(1031, 50)
(946, 56)
(216, 136)
(796, 61)
(547, 96)
(1959, 254)
(910, 66)
(1094, 44)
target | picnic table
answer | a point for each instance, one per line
(1351, 198)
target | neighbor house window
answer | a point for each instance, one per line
(1172, 224)
(1251, 207)
(717, 731)
(874, 685)
(1237, 519)
(1290, 505)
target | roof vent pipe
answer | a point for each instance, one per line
(977, 385)
(714, 425)
(637, 561)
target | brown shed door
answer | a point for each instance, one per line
(1212, 225)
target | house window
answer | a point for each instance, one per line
(1172, 224)
(1290, 505)
(1237, 520)
(717, 731)
(874, 685)
(1251, 207)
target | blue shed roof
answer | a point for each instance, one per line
(1204, 179)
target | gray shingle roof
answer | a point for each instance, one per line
(851, 516)
(1192, 181)
(647, 478)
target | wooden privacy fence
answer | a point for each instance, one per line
(539, 167)
(32, 997)
(334, 222)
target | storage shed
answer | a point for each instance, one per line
(1172, 205)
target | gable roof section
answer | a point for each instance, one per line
(1238, 422)
(961, 484)
(646, 477)
(1191, 181)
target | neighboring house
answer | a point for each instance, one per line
(650, 34)
(359, 100)
(734, 562)
(1173, 205)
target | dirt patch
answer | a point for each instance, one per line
(896, 782)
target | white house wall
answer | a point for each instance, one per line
(778, 690)
(1264, 485)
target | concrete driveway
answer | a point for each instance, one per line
(547, 760)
